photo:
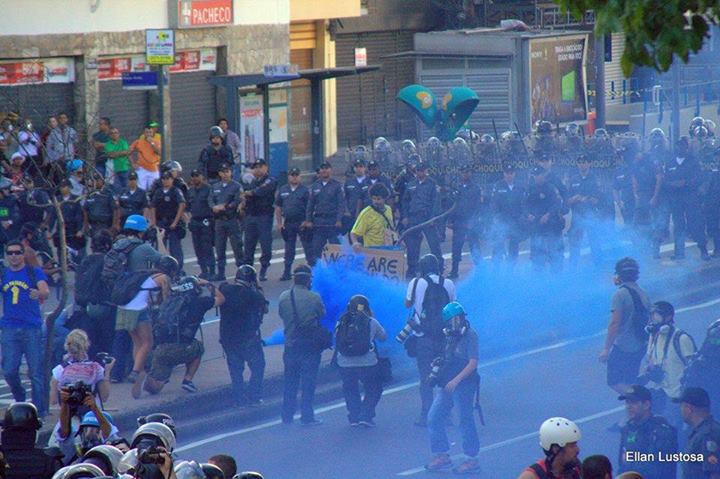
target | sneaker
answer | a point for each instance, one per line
(312, 422)
(468, 467)
(137, 387)
(188, 386)
(440, 462)
(368, 423)
(132, 377)
(115, 380)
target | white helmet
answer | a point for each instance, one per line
(558, 430)
(189, 470)
(79, 470)
(110, 454)
(158, 430)
(128, 462)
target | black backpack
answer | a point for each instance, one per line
(115, 262)
(89, 285)
(436, 298)
(169, 325)
(352, 335)
(128, 286)
(640, 316)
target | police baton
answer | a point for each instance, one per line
(426, 223)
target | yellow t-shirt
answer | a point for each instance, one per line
(370, 225)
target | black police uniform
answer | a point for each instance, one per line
(585, 216)
(157, 184)
(202, 228)
(653, 436)
(24, 460)
(240, 318)
(704, 440)
(73, 217)
(99, 209)
(545, 239)
(420, 203)
(212, 158)
(508, 222)
(166, 205)
(29, 213)
(131, 203)
(10, 216)
(259, 211)
(465, 223)
(383, 180)
(644, 174)
(227, 223)
(356, 196)
(325, 209)
(684, 203)
(623, 187)
(711, 209)
(293, 205)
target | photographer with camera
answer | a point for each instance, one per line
(455, 372)
(151, 455)
(175, 327)
(95, 427)
(77, 367)
(669, 351)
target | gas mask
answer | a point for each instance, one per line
(456, 326)
(659, 325)
(89, 438)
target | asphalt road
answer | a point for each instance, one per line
(518, 393)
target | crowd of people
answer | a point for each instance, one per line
(133, 300)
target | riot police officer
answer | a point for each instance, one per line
(73, 217)
(225, 198)
(645, 433)
(704, 439)
(711, 205)
(420, 203)
(543, 207)
(326, 207)
(99, 207)
(290, 208)
(19, 433)
(507, 221)
(258, 207)
(202, 223)
(214, 155)
(464, 221)
(175, 169)
(584, 197)
(132, 200)
(356, 194)
(167, 206)
(681, 182)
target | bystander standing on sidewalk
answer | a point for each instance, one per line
(146, 152)
(117, 149)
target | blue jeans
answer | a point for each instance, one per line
(440, 412)
(301, 370)
(15, 343)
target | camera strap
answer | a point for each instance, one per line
(668, 340)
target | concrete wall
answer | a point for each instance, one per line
(28, 17)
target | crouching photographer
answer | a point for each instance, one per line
(151, 453)
(94, 429)
(455, 372)
(175, 327)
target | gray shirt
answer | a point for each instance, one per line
(140, 258)
(310, 310)
(626, 340)
(468, 347)
(228, 194)
(368, 359)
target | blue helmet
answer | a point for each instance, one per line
(136, 223)
(74, 165)
(451, 310)
(89, 419)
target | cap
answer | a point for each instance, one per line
(294, 171)
(508, 167)
(636, 393)
(325, 165)
(697, 397)
(359, 162)
(153, 124)
(224, 167)
(372, 164)
(195, 172)
(132, 176)
(259, 162)
(166, 175)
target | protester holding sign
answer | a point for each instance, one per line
(374, 224)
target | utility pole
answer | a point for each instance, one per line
(675, 117)
(599, 81)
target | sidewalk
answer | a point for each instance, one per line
(212, 401)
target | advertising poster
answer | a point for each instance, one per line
(558, 83)
(252, 122)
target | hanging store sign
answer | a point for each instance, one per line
(41, 70)
(204, 13)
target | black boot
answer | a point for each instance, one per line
(204, 272)
(263, 273)
(454, 272)
(286, 276)
(221, 274)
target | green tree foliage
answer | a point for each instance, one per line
(655, 30)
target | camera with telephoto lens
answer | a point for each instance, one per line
(149, 451)
(435, 366)
(406, 331)
(104, 358)
(654, 374)
(77, 392)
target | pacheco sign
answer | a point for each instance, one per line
(204, 13)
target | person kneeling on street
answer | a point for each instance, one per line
(455, 372)
(240, 318)
(175, 327)
(357, 358)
